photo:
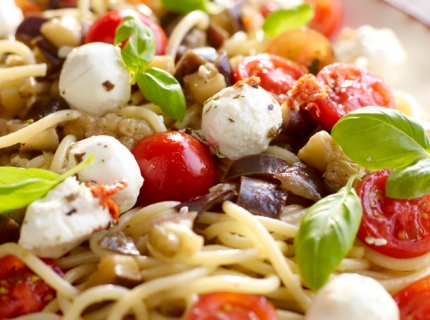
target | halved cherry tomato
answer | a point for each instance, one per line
(232, 306)
(328, 16)
(103, 29)
(413, 301)
(277, 75)
(327, 19)
(305, 46)
(174, 166)
(21, 291)
(403, 224)
(338, 89)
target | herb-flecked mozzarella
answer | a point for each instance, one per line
(94, 79)
(353, 297)
(61, 220)
(112, 163)
(241, 120)
(10, 18)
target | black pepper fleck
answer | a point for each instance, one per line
(270, 106)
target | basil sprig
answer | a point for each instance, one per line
(157, 85)
(21, 186)
(284, 19)
(186, 6)
(381, 138)
(326, 234)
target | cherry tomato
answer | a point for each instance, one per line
(304, 46)
(328, 16)
(175, 166)
(22, 292)
(413, 300)
(404, 224)
(277, 75)
(103, 29)
(327, 19)
(232, 306)
(338, 89)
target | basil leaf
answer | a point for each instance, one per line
(139, 50)
(29, 184)
(326, 234)
(284, 19)
(11, 175)
(381, 138)
(186, 6)
(161, 88)
(411, 182)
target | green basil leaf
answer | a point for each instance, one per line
(326, 234)
(12, 175)
(284, 19)
(30, 184)
(139, 50)
(381, 138)
(410, 182)
(161, 88)
(186, 6)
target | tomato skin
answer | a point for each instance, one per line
(404, 224)
(26, 292)
(232, 306)
(277, 75)
(103, 29)
(338, 89)
(174, 166)
(413, 300)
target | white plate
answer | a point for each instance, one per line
(414, 75)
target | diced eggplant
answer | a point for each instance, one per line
(44, 106)
(263, 166)
(10, 230)
(189, 63)
(116, 269)
(208, 201)
(30, 28)
(222, 62)
(302, 180)
(261, 197)
(216, 35)
(119, 243)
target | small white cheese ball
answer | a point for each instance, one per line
(378, 50)
(353, 297)
(241, 120)
(112, 163)
(61, 220)
(11, 17)
(94, 79)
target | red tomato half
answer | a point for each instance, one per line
(413, 301)
(404, 224)
(277, 75)
(23, 291)
(232, 306)
(338, 89)
(175, 166)
(103, 29)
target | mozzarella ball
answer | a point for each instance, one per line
(353, 297)
(63, 219)
(11, 17)
(112, 163)
(241, 120)
(94, 79)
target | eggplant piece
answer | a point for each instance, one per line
(10, 230)
(50, 53)
(44, 106)
(30, 28)
(302, 180)
(261, 197)
(222, 62)
(208, 201)
(262, 166)
(189, 63)
(119, 243)
(216, 35)
(118, 270)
